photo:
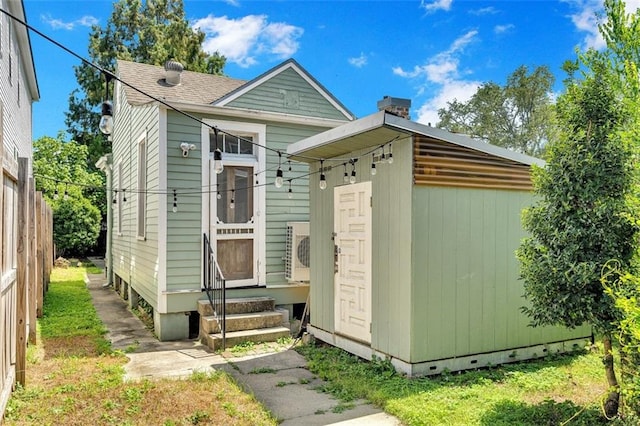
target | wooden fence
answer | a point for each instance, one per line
(26, 253)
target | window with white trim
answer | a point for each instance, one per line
(142, 186)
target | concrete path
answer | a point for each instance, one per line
(278, 378)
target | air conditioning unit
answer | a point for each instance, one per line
(296, 255)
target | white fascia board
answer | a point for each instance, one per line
(17, 8)
(249, 114)
(352, 128)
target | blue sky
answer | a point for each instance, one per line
(429, 51)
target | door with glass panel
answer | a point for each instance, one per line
(233, 210)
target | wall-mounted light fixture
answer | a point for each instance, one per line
(186, 147)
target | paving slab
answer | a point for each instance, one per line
(279, 379)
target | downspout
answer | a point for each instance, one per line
(105, 165)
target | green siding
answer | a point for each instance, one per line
(136, 260)
(272, 94)
(391, 255)
(466, 291)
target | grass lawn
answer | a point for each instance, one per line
(559, 390)
(73, 377)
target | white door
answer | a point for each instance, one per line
(352, 227)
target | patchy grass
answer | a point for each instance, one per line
(559, 390)
(74, 379)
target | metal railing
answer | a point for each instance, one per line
(214, 286)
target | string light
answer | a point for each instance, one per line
(290, 194)
(124, 196)
(345, 178)
(217, 155)
(175, 201)
(219, 196)
(323, 178)
(232, 204)
(373, 165)
(55, 194)
(390, 156)
(352, 179)
(279, 181)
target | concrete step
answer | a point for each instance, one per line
(239, 305)
(214, 341)
(248, 321)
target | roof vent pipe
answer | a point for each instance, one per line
(173, 72)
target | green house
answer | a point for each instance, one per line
(167, 197)
(416, 262)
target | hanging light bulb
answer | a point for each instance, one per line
(106, 120)
(279, 181)
(217, 161)
(323, 178)
(352, 179)
(66, 194)
(124, 196)
(219, 196)
(55, 194)
(175, 202)
(115, 196)
(373, 165)
(345, 178)
(232, 204)
(290, 193)
(390, 156)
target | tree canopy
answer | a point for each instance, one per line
(150, 32)
(73, 192)
(518, 116)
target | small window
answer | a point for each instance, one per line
(231, 144)
(142, 186)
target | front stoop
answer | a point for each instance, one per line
(252, 319)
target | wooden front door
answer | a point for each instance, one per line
(352, 227)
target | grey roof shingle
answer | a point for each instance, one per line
(197, 88)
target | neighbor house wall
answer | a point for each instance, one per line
(466, 290)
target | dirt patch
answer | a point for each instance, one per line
(83, 346)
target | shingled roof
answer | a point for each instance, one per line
(197, 88)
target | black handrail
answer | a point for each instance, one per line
(214, 286)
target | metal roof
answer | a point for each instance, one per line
(382, 127)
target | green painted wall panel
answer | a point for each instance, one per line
(466, 274)
(270, 96)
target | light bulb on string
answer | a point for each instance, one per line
(279, 180)
(115, 195)
(290, 192)
(323, 178)
(352, 178)
(232, 204)
(217, 155)
(55, 194)
(219, 196)
(373, 165)
(345, 178)
(66, 194)
(390, 156)
(175, 202)
(124, 196)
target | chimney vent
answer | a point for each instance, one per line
(395, 106)
(173, 72)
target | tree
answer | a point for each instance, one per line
(583, 218)
(72, 191)
(151, 32)
(518, 116)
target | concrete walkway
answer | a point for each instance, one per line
(278, 379)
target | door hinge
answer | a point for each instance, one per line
(371, 201)
(370, 328)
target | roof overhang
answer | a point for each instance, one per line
(381, 128)
(16, 7)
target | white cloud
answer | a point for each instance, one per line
(435, 5)
(484, 11)
(358, 61)
(235, 3)
(502, 29)
(59, 24)
(242, 40)
(441, 75)
(586, 19)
